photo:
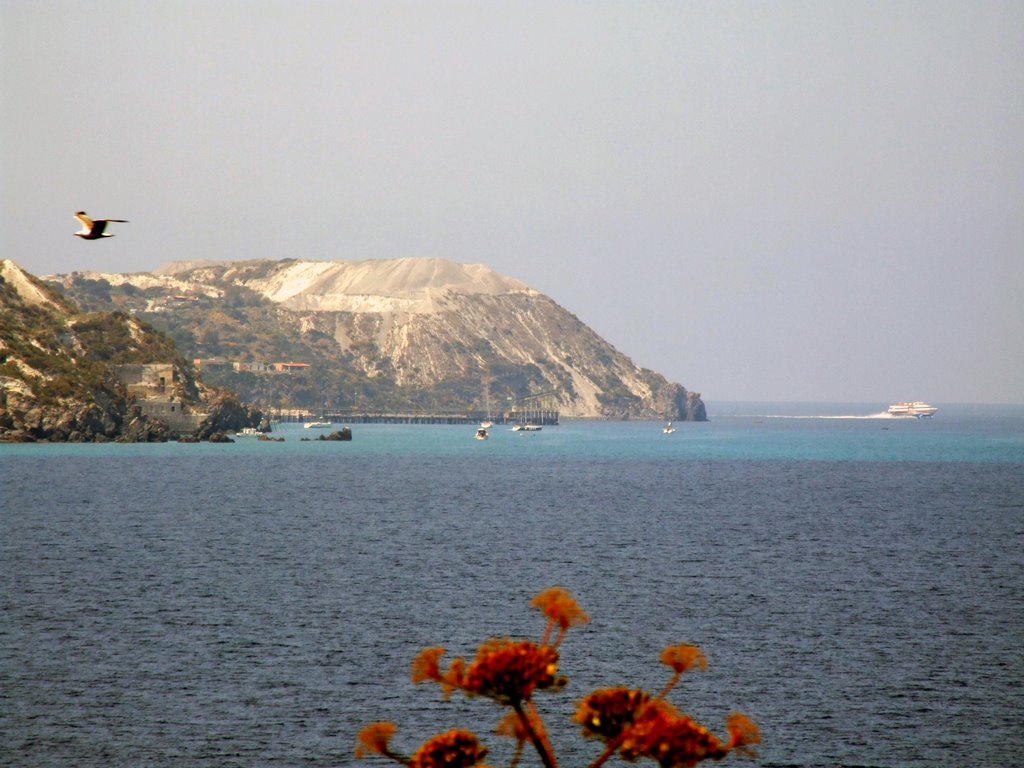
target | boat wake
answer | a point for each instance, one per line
(880, 415)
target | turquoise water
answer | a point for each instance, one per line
(737, 431)
(856, 582)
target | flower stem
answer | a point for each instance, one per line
(539, 743)
(608, 752)
(671, 684)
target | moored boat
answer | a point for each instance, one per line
(319, 424)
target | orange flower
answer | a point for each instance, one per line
(672, 739)
(512, 726)
(688, 742)
(742, 733)
(455, 677)
(647, 731)
(675, 740)
(509, 671)
(453, 749)
(559, 606)
(427, 665)
(373, 739)
(682, 657)
(607, 711)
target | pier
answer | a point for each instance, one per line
(544, 418)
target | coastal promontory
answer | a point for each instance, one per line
(71, 376)
(386, 335)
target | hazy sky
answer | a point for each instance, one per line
(786, 200)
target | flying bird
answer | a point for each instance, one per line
(94, 229)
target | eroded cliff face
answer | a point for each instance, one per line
(427, 324)
(477, 336)
(431, 320)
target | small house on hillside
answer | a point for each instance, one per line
(148, 379)
(290, 367)
(212, 364)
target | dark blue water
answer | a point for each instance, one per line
(856, 584)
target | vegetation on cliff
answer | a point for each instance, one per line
(57, 375)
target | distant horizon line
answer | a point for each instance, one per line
(870, 403)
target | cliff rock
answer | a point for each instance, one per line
(413, 334)
(58, 368)
(226, 413)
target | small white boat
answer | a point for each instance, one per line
(487, 424)
(668, 429)
(481, 434)
(317, 425)
(527, 428)
(248, 432)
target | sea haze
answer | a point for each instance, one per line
(857, 585)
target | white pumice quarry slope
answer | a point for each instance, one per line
(426, 321)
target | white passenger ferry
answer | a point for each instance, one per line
(917, 409)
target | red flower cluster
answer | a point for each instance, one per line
(559, 606)
(427, 666)
(632, 723)
(683, 657)
(637, 725)
(453, 749)
(607, 712)
(507, 671)
(374, 738)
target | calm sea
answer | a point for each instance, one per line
(856, 582)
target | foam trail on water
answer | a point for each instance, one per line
(881, 415)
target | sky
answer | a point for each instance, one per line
(799, 201)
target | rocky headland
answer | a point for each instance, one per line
(62, 374)
(392, 335)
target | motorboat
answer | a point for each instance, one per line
(668, 429)
(481, 434)
(527, 428)
(248, 432)
(318, 424)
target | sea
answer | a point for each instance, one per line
(855, 581)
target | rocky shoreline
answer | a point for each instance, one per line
(117, 419)
(73, 377)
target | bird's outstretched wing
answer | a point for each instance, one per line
(93, 229)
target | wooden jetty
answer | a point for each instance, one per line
(546, 418)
